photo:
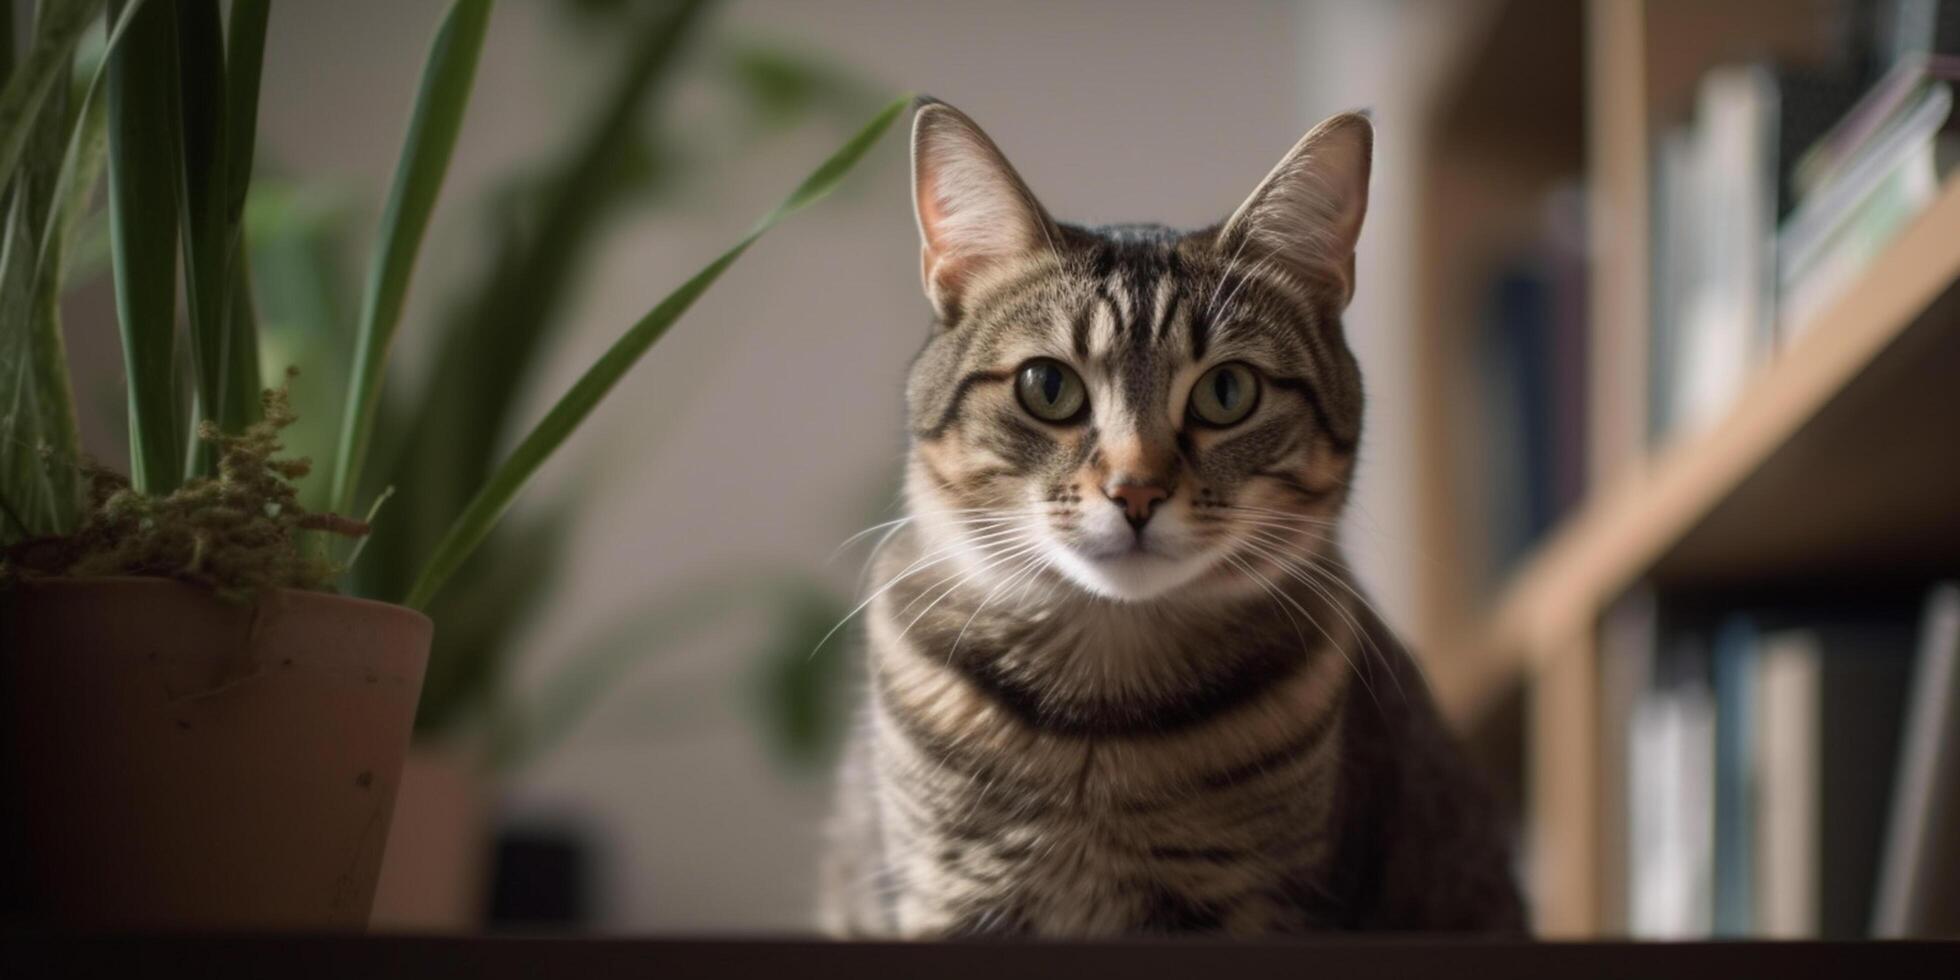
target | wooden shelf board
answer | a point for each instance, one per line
(1761, 471)
(1514, 82)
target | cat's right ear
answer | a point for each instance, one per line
(976, 216)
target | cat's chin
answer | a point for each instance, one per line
(1130, 576)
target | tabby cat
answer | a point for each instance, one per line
(1122, 682)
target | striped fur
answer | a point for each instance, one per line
(1081, 725)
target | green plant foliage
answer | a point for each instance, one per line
(226, 353)
(585, 395)
(39, 441)
(143, 161)
(800, 697)
(238, 532)
(244, 63)
(437, 446)
(171, 108)
(443, 442)
(6, 39)
(425, 157)
(298, 237)
(783, 84)
(61, 24)
(800, 684)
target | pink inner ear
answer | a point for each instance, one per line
(937, 279)
(942, 268)
(973, 209)
(931, 213)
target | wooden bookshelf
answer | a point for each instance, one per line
(1839, 459)
(1852, 432)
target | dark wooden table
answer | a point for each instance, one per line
(281, 957)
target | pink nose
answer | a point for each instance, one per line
(1138, 500)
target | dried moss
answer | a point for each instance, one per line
(237, 533)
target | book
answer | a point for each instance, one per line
(1827, 737)
(1885, 102)
(1912, 27)
(1715, 265)
(1863, 184)
(1671, 822)
(1919, 874)
(1674, 264)
(1628, 634)
(1785, 886)
(1736, 659)
(1530, 350)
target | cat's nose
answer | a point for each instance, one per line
(1138, 500)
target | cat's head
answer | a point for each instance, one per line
(1141, 410)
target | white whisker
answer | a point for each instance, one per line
(928, 560)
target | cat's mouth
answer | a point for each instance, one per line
(1134, 548)
(1131, 568)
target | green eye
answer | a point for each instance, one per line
(1225, 395)
(1050, 391)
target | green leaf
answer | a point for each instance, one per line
(81, 161)
(144, 156)
(490, 599)
(63, 156)
(432, 131)
(37, 433)
(440, 446)
(803, 703)
(244, 62)
(783, 83)
(6, 39)
(524, 729)
(804, 708)
(61, 26)
(296, 239)
(204, 197)
(490, 503)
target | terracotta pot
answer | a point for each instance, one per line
(435, 871)
(172, 760)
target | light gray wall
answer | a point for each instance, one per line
(766, 429)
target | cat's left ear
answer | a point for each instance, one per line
(1307, 213)
(976, 215)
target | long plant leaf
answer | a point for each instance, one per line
(38, 432)
(438, 447)
(143, 161)
(244, 63)
(203, 199)
(39, 437)
(489, 505)
(36, 406)
(6, 40)
(39, 427)
(446, 82)
(523, 729)
(66, 200)
(82, 158)
(297, 242)
(803, 710)
(61, 26)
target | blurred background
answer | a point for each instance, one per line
(1656, 310)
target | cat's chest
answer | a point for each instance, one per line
(1109, 862)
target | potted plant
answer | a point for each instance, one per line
(629, 148)
(199, 731)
